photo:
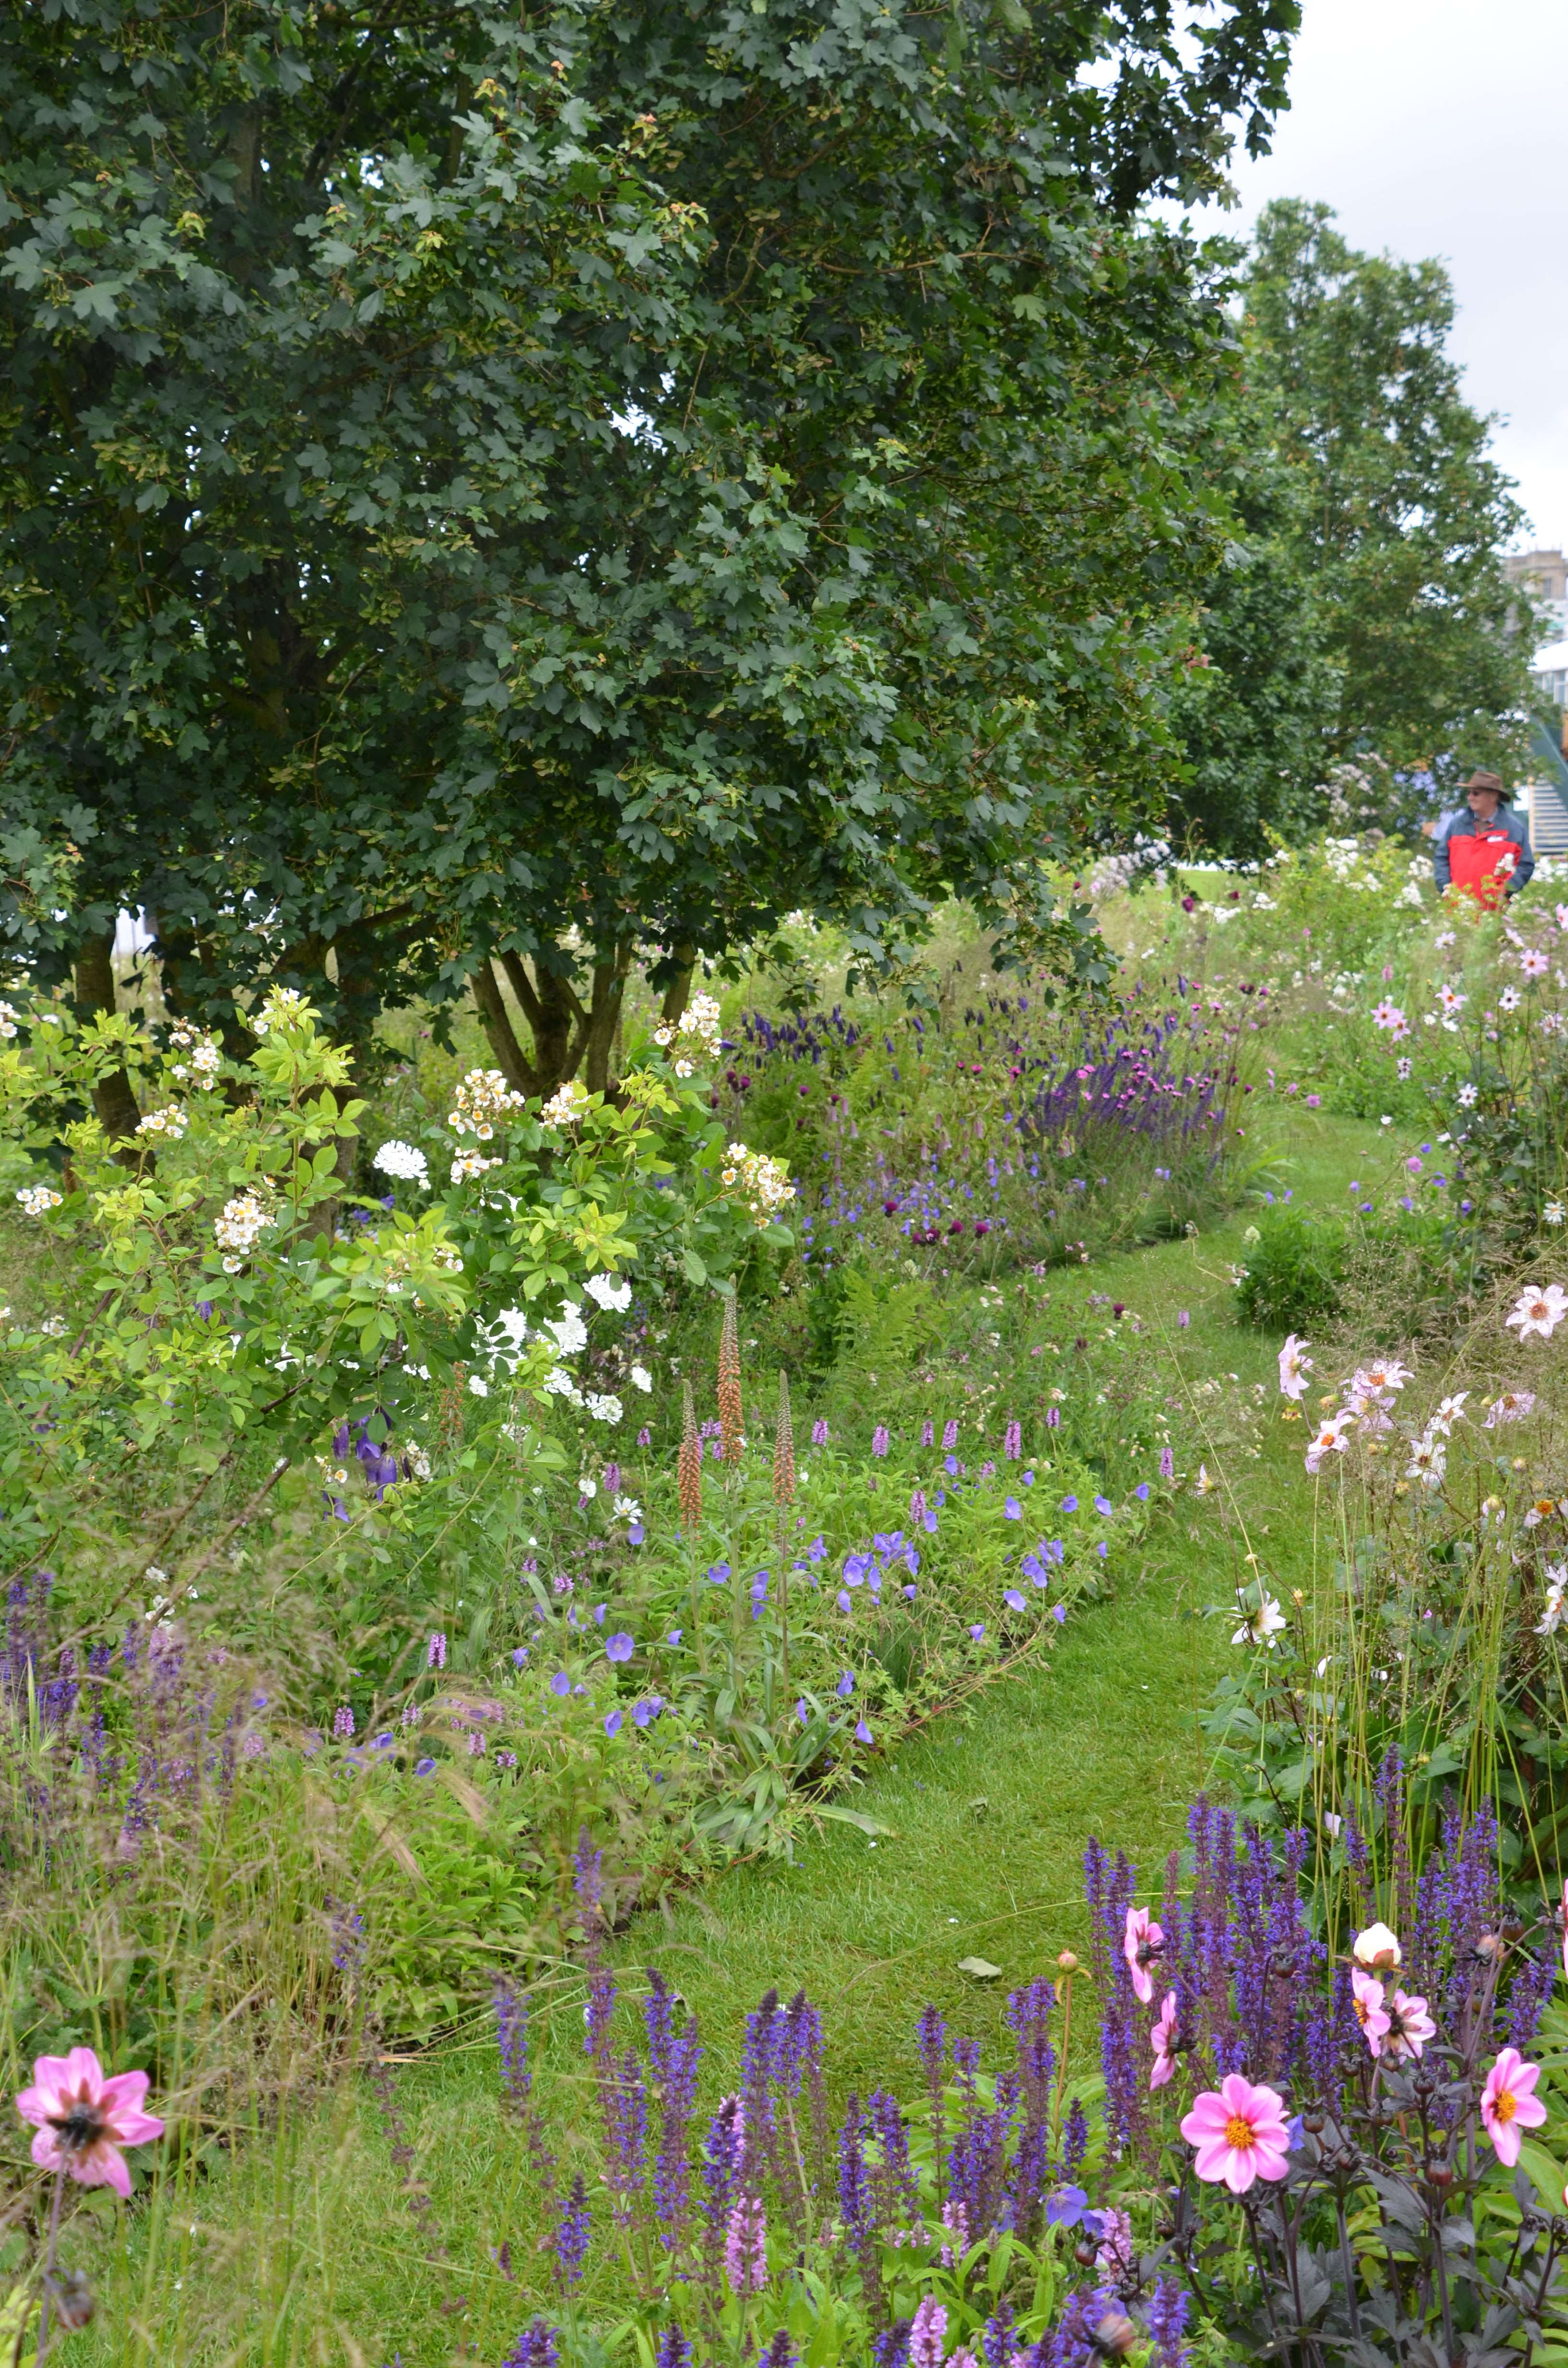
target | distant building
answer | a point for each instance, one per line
(1545, 574)
(1546, 794)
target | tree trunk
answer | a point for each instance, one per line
(114, 1098)
(677, 993)
(567, 1036)
(603, 1019)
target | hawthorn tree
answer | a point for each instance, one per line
(482, 497)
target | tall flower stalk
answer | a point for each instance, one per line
(732, 1442)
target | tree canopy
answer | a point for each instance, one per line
(1367, 611)
(483, 497)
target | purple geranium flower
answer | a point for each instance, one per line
(618, 1647)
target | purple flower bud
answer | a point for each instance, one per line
(949, 1435)
(819, 1432)
(863, 1732)
(612, 1723)
(644, 1437)
(880, 1439)
(343, 1721)
(435, 1651)
(1053, 1418)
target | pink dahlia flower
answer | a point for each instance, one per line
(83, 2120)
(1366, 1998)
(1410, 2025)
(1141, 1939)
(1162, 2039)
(1509, 2104)
(1239, 2132)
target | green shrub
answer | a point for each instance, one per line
(1295, 1273)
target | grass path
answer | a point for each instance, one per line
(991, 1808)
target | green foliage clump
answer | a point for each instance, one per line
(1294, 1275)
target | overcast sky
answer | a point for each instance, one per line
(1437, 127)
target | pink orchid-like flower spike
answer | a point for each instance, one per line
(1162, 2039)
(1239, 2132)
(1566, 1926)
(1509, 2104)
(1366, 1998)
(83, 2120)
(1142, 1934)
(1410, 2025)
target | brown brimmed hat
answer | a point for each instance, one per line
(1484, 781)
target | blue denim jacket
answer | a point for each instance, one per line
(1464, 825)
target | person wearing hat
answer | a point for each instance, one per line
(1487, 849)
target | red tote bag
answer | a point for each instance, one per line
(1483, 862)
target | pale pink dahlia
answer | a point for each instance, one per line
(1410, 2025)
(1162, 2039)
(1366, 1998)
(1138, 1943)
(1239, 2132)
(1509, 2104)
(83, 2120)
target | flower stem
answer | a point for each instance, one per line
(48, 2263)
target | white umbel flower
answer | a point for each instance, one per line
(402, 1161)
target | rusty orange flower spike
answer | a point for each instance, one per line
(688, 1471)
(784, 1450)
(731, 1440)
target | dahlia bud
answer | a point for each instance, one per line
(72, 2297)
